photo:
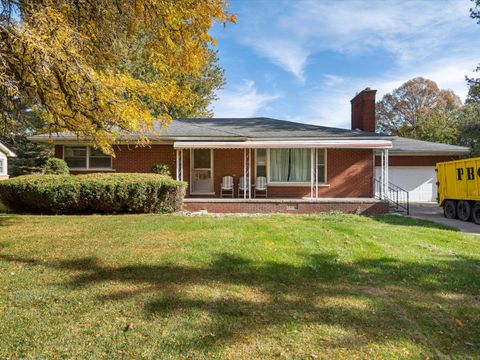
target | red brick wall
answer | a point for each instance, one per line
(349, 171)
(369, 208)
(59, 151)
(363, 110)
(228, 162)
(140, 159)
(415, 160)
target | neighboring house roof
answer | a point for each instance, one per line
(406, 146)
(238, 128)
(6, 150)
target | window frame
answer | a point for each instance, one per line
(305, 183)
(3, 167)
(87, 154)
(266, 163)
(325, 182)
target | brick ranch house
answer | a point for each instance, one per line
(308, 168)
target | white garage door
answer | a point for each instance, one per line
(419, 181)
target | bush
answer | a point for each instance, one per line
(93, 193)
(162, 169)
(54, 166)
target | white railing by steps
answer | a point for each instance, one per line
(394, 194)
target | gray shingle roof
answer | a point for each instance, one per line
(403, 145)
(259, 128)
(268, 128)
(243, 128)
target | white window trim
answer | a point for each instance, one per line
(325, 167)
(3, 165)
(286, 183)
(256, 162)
(87, 168)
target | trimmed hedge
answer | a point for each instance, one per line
(93, 193)
(54, 166)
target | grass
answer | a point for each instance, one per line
(150, 286)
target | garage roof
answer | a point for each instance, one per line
(406, 146)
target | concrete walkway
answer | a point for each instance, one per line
(431, 211)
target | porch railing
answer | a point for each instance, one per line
(395, 195)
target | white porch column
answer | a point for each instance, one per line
(249, 173)
(181, 164)
(244, 172)
(316, 173)
(312, 160)
(382, 174)
(177, 164)
(386, 173)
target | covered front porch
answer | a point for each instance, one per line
(303, 171)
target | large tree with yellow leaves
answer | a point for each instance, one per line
(101, 67)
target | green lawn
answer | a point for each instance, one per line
(151, 286)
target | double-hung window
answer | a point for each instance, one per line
(2, 167)
(86, 158)
(261, 162)
(321, 169)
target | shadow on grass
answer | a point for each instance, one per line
(7, 220)
(409, 221)
(403, 298)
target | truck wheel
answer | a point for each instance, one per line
(464, 210)
(449, 209)
(476, 213)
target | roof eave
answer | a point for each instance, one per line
(7, 151)
(428, 153)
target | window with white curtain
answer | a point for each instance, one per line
(290, 165)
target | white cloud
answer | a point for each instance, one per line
(333, 80)
(242, 100)
(409, 30)
(289, 56)
(433, 39)
(330, 105)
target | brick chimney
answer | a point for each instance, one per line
(363, 110)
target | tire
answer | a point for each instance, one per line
(464, 210)
(476, 213)
(450, 209)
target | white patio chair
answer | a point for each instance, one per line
(260, 185)
(227, 186)
(242, 186)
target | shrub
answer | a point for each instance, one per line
(162, 169)
(93, 193)
(54, 166)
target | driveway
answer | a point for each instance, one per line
(431, 211)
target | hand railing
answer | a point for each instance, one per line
(394, 194)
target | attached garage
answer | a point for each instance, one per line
(412, 166)
(419, 181)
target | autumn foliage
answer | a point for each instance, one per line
(71, 60)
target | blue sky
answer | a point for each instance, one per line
(303, 60)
